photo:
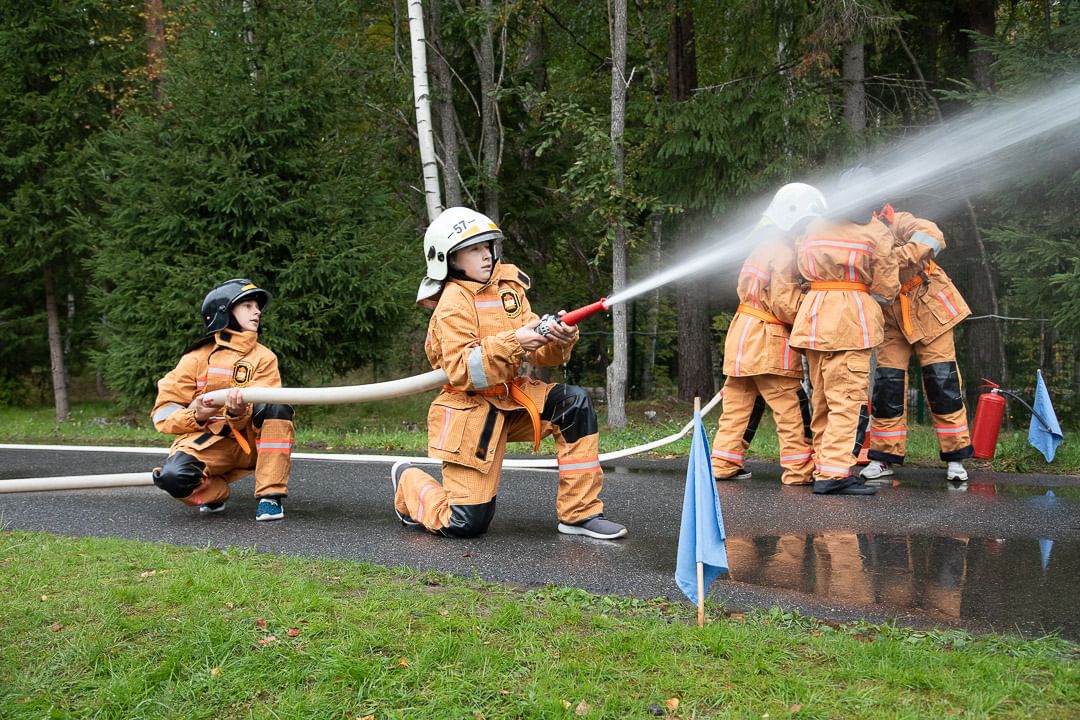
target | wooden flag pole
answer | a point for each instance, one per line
(700, 564)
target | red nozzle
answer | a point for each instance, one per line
(575, 316)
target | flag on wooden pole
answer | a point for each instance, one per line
(702, 555)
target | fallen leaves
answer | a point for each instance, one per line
(56, 627)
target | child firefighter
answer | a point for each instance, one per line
(481, 332)
(216, 445)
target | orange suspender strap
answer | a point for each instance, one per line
(512, 389)
(839, 285)
(905, 302)
(758, 313)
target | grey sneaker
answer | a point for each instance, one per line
(212, 507)
(740, 474)
(597, 527)
(395, 476)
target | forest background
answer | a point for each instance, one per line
(151, 150)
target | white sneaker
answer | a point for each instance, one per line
(876, 469)
(956, 471)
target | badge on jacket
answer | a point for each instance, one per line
(510, 302)
(242, 372)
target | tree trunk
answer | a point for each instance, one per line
(56, 349)
(424, 132)
(491, 135)
(854, 84)
(154, 22)
(981, 16)
(695, 358)
(444, 104)
(617, 370)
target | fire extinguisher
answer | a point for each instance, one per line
(988, 416)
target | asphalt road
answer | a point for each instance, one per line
(1001, 556)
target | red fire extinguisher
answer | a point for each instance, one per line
(988, 416)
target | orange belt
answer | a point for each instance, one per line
(514, 391)
(758, 313)
(839, 285)
(905, 302)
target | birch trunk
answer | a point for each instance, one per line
(424, 131)
(617, 370)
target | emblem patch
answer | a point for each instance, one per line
(510, 302)
(242, 372)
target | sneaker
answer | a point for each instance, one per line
(396, 472)
(956, 471)
(740, 474)
(876, 469)
(597, 527)
(269, 509)
(212, 507)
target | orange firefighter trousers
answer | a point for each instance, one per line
(840, 414)
(270, 459)
(738, 422)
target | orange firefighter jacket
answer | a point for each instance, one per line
(846, 265)
(471, 337)
(757, 339)
(933, 304)
(233, 359)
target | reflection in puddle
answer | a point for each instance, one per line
(1009, 584)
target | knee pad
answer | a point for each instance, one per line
(261, 412)
(804, 410)
(942, 383)
(569, 408)
(889, 392)
(468, 521)
(180, 474)
(860, 430)
(755, 420)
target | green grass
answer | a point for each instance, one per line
(399, 426)
(102, 628)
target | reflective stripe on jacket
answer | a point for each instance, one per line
(755, 345)
(934, 305)
(847, 252)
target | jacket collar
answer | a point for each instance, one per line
(243, 342)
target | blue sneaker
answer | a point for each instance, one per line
(269, 509)
(212, 507)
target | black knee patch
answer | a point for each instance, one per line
(180, 474)
(942, 383)
(467, 521)
(860, 430)
(755, 420)
(261, 412)
(804, 410)
(889, 392)
(569, 408)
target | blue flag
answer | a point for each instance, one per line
(701, 535)
(1044, 433)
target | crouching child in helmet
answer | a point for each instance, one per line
(481, 332)
(216, 445)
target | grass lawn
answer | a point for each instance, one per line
(399, 426)
(103, 628)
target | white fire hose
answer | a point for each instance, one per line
(306, 396)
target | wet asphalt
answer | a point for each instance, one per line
(999, 555)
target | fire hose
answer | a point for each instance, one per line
(338, 395)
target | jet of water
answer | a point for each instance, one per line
(976, 152)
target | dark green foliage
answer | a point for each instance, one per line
(263, 160)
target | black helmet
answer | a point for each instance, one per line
(857, 195)
(218, 302)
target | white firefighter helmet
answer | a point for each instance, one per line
(793, 204)
(454, 229)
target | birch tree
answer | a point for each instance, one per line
(617, 370)
(422, 99)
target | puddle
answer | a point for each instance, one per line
(1007, 584)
